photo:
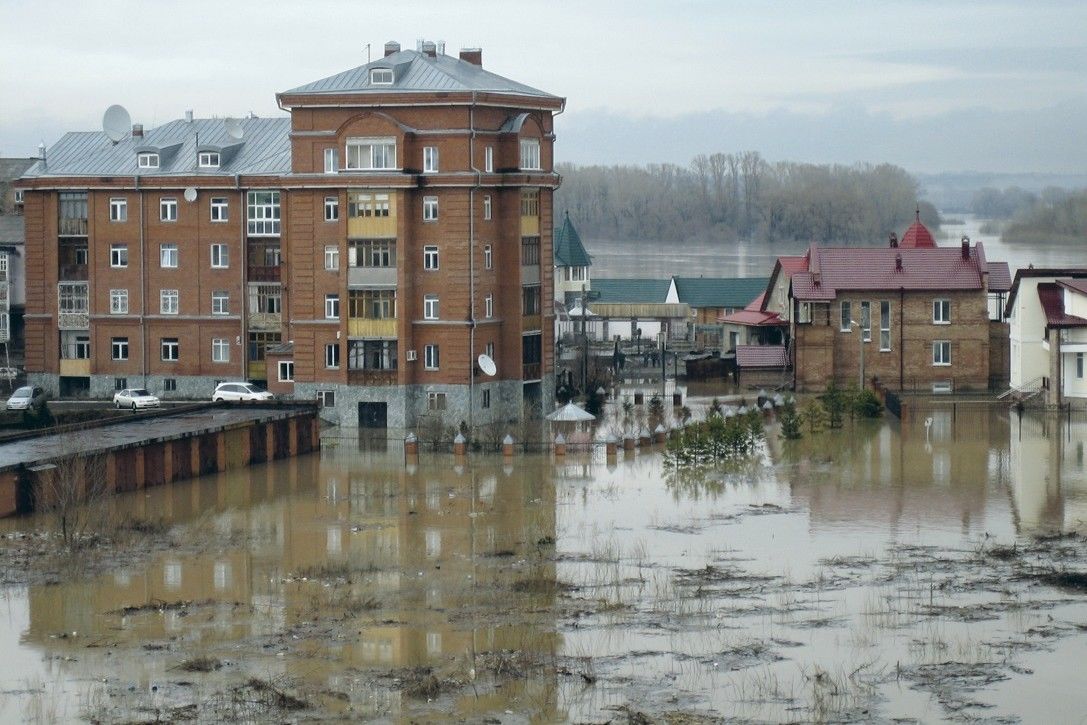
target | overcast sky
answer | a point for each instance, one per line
(940, 85)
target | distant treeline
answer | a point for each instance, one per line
(1054, 215)
(725, 197)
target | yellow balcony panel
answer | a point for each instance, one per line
(265, 321)
(258, 370)
(77, 368)
(530, 322)
(530, 226)
(360, 327)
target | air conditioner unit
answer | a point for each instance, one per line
(943, 386)
(412, 355)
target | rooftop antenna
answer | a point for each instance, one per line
(116, 123)
(233, 128)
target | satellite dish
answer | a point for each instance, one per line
(486, 364)
(116, 123)
(190, 194)
(233, 128)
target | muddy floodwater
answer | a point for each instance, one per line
(922, 570)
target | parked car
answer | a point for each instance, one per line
(27, 397)
(134, 398)
(240, 391)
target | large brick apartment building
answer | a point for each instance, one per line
(364, 251)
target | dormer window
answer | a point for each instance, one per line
(381, 76)
(147, 161)
(208, 160)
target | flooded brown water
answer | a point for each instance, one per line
(889, 570)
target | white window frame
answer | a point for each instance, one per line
(381, 76)
(488, 306)
(938, 349)
(845, 323)
(208, 159)
(332, 258)
(263, 213)
(430, 159)
(332, 160)
(487, 208)
(866, 321)
(430, 258)
(435, 401)
(430, 307)
(20, 196)
(147, 160)
(326, 398)
(118, 256)
(332, 306)
(169, 256)
(431, 357)
(285, 370)
(220, 302)
(373, 153)
(430, 208)
(169, 301)
(332, 356)
(941, 311)
(488, 257)
(332, 208)
(220, 256)
(220, 350)
(169, 349)
(118, 209)
(168, 209)
(530, 154)
(118, 348)
(884, 325)
(118, 301)
(220, 209)
(488, 159)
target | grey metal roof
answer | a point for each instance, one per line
(13, 168)
(417, 72)
(12, 229)
(263, 149)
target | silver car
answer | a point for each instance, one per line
(239, 391)
(27, 397)
(134, 398)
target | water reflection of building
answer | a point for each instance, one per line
(433, 554)
(1048, 474)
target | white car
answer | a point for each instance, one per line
(134, 398)
(240, 391)
(26, 397)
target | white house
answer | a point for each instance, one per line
(1047, 317)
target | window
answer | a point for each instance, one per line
(118, 210)
(377, 304)
(168, 301)
(430, 159)
(118, 302)
(332, 258)
(168, 256)
(332, 208)
(430, 307)
(220, 302)
(941, 352)
(847, 317)
(866, 321)
(118, 255)
(326, 398)
(259, 342)
(220, 256)
(368, 154)
(488, 159)
(530, 202)
(332, 160)
(169, 385)
(430, 257)
(530, 300)
(220, 209)
(430, 357)
(332, 355)
(120, 383)
(168, 210)
(1079, 365)
(530, 154)
(487, 208)
(332, 307)
(170, 349)
(119, 348)
(488, 260)
(208, 159)
(941, 312)
(371, 354)
(803, 312)
(263, 213)
(372, 253)
(489, 349)
(220, 350)
(485, 399)
(147, 161)
(530, 251)
(430, 208)
(581, 274)
(20, 195)
(268, 298)
(884, 325)
(488, 306)
(286, 371)
(435, 401)
(75, 346)
(381, 76)
(367, 205)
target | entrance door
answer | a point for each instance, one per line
(373, 415)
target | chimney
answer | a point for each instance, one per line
(441, 47)
(894, 241)
(965, 247)
(472, 55)
(419, 45)
(391, 47)
(188, 116)
(137, 130)
(428, 48)
(41, 151)
(898, 259)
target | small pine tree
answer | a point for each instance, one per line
(790, 422)
(835, 401)
(714, 409)
(656, 412)
(866, 404)
(815, 415)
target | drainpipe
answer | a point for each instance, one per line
(143, 287)
(472, 262)
(901, 338)
(242, 212)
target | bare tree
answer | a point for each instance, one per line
(73, 492)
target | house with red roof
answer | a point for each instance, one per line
(1047, 319)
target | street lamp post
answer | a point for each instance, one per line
(860, 339)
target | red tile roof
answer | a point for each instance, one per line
(917, 236)
(756, 304)
(1052, 298)
(1000, 277)
(753, 318)
(761, 356)
(1078, 285)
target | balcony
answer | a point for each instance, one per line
(371, 276)
(371, 377)
(257, 370)
(364, 327)
(530, 323)
(265, 321)
(73, 306)
(530, 225)
(72, 227)
(75, 368)
(530, 274)
(531, 371)
(72, 273)
(262, 273)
